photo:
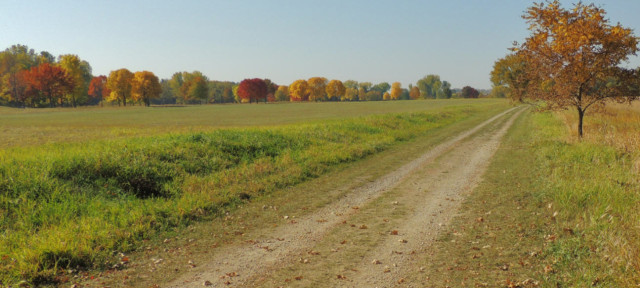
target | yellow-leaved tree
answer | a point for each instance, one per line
(396, 91)
(335, 90)
(299, 90)
(145, 86)
(317, 87)
(119, 82)
(80, 72)
(573, 58)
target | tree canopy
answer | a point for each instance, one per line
(573, 59)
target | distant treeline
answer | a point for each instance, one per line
(30, 79)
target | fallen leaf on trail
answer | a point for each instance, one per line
(401, 280)
(376, 261)
(341, 277)
(394, 232)
(227, 283)
(480, 219)
(313, 252)
(548, 269)
(298, 278)
(124, 259)
(363, 226)
(321, 221)
(355, 207)
(343, 242)
(551, 238)
(207, 283)
(232, 274)
(402, 241)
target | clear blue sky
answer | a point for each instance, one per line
(363, 40)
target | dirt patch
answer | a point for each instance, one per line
(430, 191)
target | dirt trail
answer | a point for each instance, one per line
(430, 190)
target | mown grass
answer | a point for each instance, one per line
(29, 127)
(78, 205)
(553, 210)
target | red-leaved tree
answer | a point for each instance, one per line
(98, 88)
(252, 89)
(50, 82)
(469, 92)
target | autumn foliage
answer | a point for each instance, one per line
(252, 90)
(19, 86)
(573, 58)
(145, 86)
(47, 81)
(98, 88)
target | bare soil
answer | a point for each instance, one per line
(372, 236)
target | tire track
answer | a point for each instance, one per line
(285, 242)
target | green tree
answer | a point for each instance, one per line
(381, 87)
(429, 86)
(351, 84)
(445, 91)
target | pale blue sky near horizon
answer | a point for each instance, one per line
(285, 40)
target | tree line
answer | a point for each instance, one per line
(30, 79)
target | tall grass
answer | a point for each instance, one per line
(78, 205)
(594, 186)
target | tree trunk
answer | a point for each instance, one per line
(580, 121)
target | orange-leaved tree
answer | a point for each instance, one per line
(145, 86)
(299, 90)
(573, 57)
(414, 92)
(98, 88)
(50, 82)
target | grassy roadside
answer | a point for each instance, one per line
(253, 220)
(551, 212)
(70, 206)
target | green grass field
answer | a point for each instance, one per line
(28, 127)
(77, 187)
